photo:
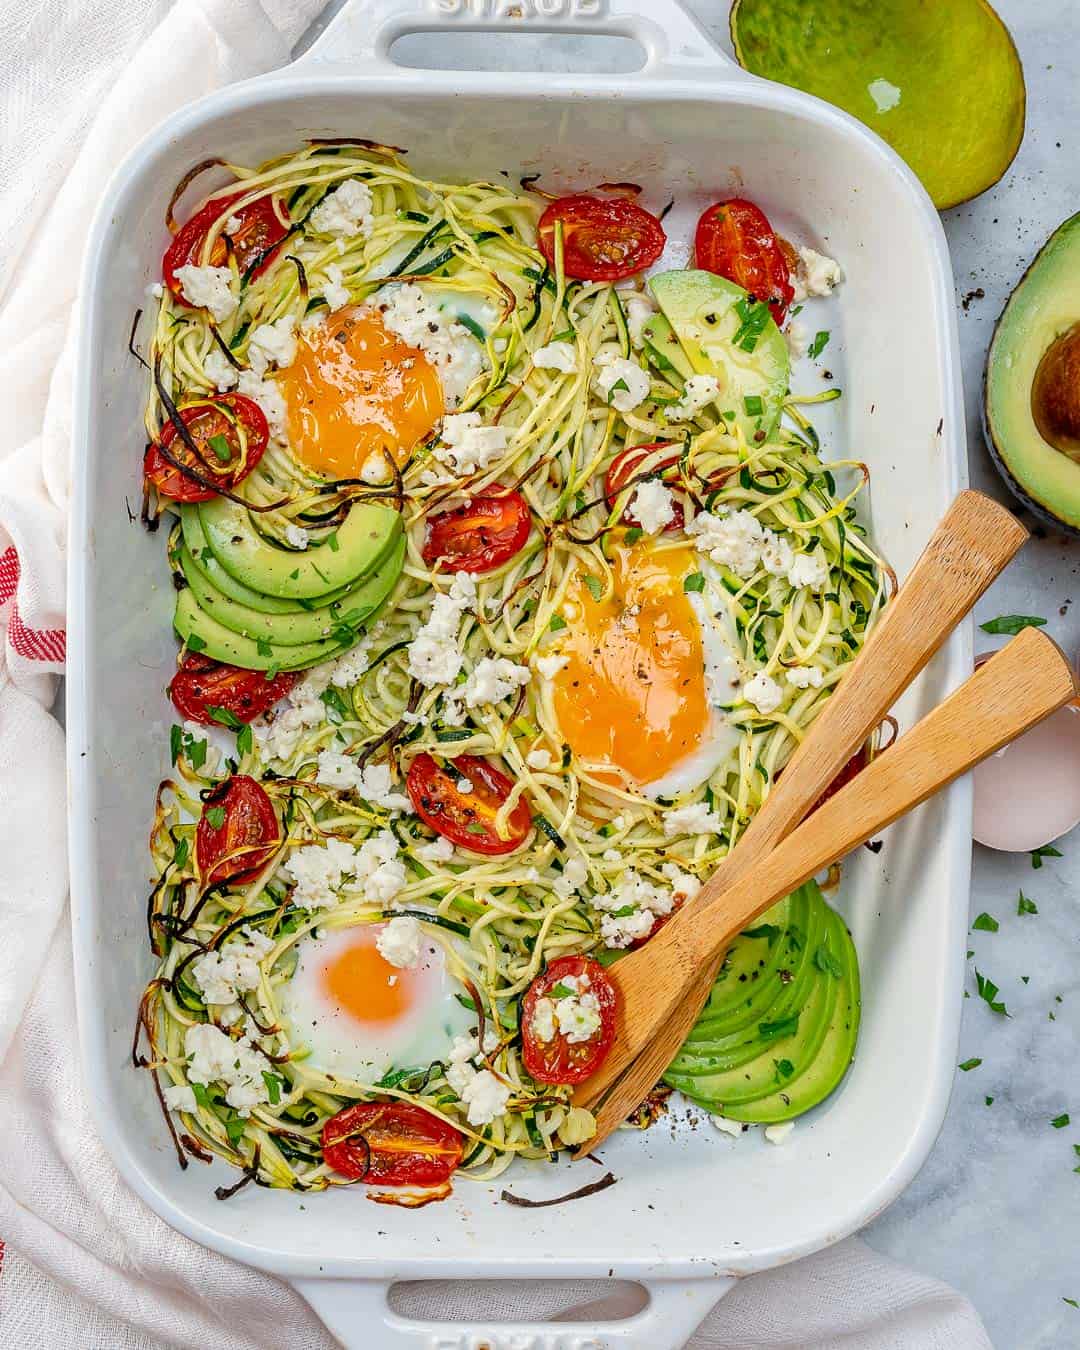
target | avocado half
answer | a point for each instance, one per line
(940, 80)
(1032, 390)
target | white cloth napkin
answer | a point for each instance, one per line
(86, 1263)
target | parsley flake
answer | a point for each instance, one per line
(985, 923)
(969, 1064)
(1037, 854)
(988, 992)
(215, 817)
(1026, 906)
(1012, 623)
(1059, 1122)
(820, 342)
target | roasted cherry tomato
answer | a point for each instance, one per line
(466, 818)
(559, 1060)
(214, 431)
(479, 536)
(625, 466)
(391, 1144)
(258, 231)
(233, 845)
(735, 240)
(202, 683)
(604, 238)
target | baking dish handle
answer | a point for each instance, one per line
(362, 34)
(358, 1314)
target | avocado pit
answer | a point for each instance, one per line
(1055, 394)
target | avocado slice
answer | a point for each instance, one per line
(224, 645)
(665, 350)
(355, 606)
(940, 80)
(361, 542)
(1032, 389)
(724, 333)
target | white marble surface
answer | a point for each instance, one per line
(996, 1210)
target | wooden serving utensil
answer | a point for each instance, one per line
(659, 986)
(974, 541)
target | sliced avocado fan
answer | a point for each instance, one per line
(1032, 393)
(940, 80)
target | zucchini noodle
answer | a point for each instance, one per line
(498, 921)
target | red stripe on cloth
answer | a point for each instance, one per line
(35, 644)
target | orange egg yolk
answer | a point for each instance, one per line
(633, 691)
(363, 983)
(354, 391)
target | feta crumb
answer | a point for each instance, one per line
(483, 1094)
(639, 310)
(684, 886)
(615, 370)
(538, 759)
(219, 371)
(611, 855)
(694, 818)
(208, 288)
(319, 871)
(379, 872)
(777, 555)
(215, 1057)
(446, 343)
(578, 1017)
(335, 292)
(731, 540)
(732, 1127)
(575, 873)
(180, 1097)
(809, 569)
(272, 343)
(345, 212)
(435, 655)
(698, 392)
(296, 536)
(279, 739)
(778, 1134)
(549, 666)
(156, 290)
(805, 677)
(469, 446)
(464, 785)
(764, 693)
(399, 942)
(817, 274)
(653, 506)
(797, 337)
(438, 850)
(269, 398)
(494, 679)
(644, 902)
(543, 1020)
(232, 969)
(373, 782)
(233, 225)
(560, 356)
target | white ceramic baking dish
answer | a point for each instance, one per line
(692, 1209)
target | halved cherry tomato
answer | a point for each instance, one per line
(479, 536)
(259, 230)
(560, 1060)
(202, 683)
(245, 838)
(625, 466)
(391, 1144)
(207, 422)
(735, 240)
(604, 238)
(467, 819)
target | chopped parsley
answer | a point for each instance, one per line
(820, 342)
(274, 1084)
(988, 992)
(244, 740)
(224, 717)
(985, 923)
(195, 643)
(595, 585)
(220, 446)
(825, 961)
(753, 405)
(262, 646)
(1026, 906)
(1059, 1122)
(215, 817)
(557, 622)
(694, 582)
(969, 1064)
(1012, 623)
(1037, 854)
(784, 1069)
(176, 740)
(753, 316)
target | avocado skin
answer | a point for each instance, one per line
(728, 1067)
(1044, 303)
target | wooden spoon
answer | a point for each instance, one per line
(659, 986)
(974, 541)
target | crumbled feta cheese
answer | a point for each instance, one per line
(653, 506)
(180, 1097)
(280, 738)
(484, 1095)
(797, 337)
(493, 679)
(233, 225)
(805, 677)
(232, 969)
(764, 693)
(470, 447)
(538, 759)
(732, 1127)
(816, 275)
(376, 469)
(698, 392)
(269, 398)
(732, 540)
(373, 782)
(777, 555)
(335, 292)
(684, 886)
(620, 382)
(694, 818)
(578, 1017)
(215, 1057)
(348, 669)
(549, 666)
(272, 343)
(219, 371)
(543, 1020)
(644, 901)
(611, 855)
(574, 875)
(639, 310)
(464, 785)
(435, 655)
(446, 343)
(344, 212)
(208, 288)
(399, 942)
(156, 290)
(809, 569)
(560, 356)
(296, 536)
(379, 874)
(437, 851)
(319, 871)
(778, 1134)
